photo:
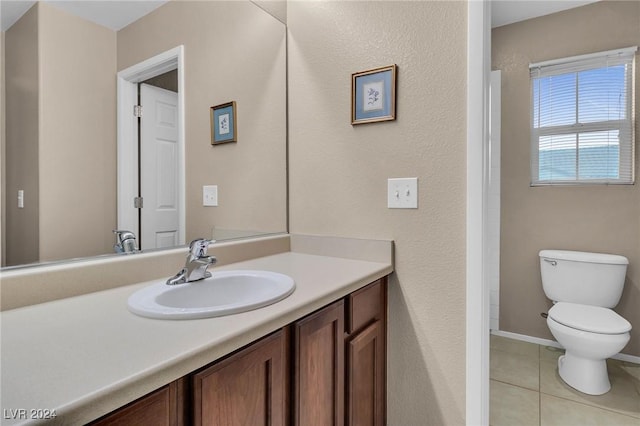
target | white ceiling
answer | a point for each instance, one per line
(117, 14)
(505, 12)
(113, 14)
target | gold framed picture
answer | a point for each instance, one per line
(373, 95)
(224, 123)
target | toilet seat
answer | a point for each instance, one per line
(593, 319)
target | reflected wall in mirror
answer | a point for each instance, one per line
(59, 134)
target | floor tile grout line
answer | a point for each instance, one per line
(541, 348)
(540, 392)
(514, 354)
(514, 385)
(592, 406)
(539, 386)
(539, 408)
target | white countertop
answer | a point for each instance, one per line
(87, 355)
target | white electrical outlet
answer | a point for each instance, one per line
(210, 195)
(402, 193)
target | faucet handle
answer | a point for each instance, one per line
(122, 234)
(125, 241)
(199, 246)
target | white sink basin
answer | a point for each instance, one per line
(225, 293)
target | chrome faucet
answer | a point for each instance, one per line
(195, 268)
(125, 242)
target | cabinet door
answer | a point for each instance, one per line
(164, 406)
(248, 388)
(365, 377)
(318, 377)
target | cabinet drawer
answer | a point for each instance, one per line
(365, 306)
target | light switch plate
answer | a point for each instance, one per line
(402, 193)
(210, 195)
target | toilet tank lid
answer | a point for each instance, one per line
(582, 256)
(589, 318)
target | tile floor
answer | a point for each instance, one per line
(526, 390)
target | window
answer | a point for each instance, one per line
(582, 119)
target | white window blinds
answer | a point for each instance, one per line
(582, 118)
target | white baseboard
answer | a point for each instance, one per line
(546, 342)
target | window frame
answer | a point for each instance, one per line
(577, 64)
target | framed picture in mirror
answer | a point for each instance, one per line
(373, 95)
(224, 123)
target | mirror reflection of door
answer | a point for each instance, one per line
(158, 166)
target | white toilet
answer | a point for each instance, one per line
(584, 287)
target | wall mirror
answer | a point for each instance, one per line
(62, 124)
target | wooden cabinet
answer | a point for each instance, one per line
(247, 388)
(366, 356)
(318, 386)
(164, 406)
(328, 368)
(326, 389)
(366, 382)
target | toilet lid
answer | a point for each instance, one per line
(589, 318)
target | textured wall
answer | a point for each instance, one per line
(234, 51)
(338, 176)
(588, 218)
(77, 136)
(21, 144)
(277, 8)
(61, 142)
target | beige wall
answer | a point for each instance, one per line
(338, 176)
(21, 145)
(78, 136)
(60, 142)
(276, 8)
(586, 218)
(234, 51)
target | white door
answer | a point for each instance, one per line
(159, 168)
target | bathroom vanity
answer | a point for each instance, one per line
(317, 354)
(313, 371)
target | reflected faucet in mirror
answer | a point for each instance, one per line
(125, 242)
(195, 268)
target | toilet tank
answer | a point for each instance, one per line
(580, 277)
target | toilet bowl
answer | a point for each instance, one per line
(590, 335)
(584, 288)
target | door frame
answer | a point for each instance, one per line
(127, 134)
(477, 291)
